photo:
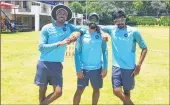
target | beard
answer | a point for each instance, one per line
(120, 26)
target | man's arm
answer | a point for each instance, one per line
(105, 58)
(105, 32)
(74, 36)
(105, 55)
(143, 46)
(142, 56)
(43, 45)
(76, 33)
(77, 58)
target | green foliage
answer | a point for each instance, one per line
(165, 21)
(142, 20)
(76, 7)
(145, 20)
(137, 7)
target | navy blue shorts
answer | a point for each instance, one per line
(49, 72)
(94, 76)
(122, 77)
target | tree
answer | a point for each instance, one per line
(167, 4)
(105, 8)
(138, 5)
(158, 6)
(76, 7)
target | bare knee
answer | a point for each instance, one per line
(117, 91)
(79, 91)
(127, 93)
(42, 89)
(95, 90)
(57, 94)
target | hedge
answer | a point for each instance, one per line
(142, 20)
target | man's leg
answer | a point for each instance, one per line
(41, 80)
(81, 84)
(53, 96)
(95, 97)
(124, 96)
(42, 91)
(117, 83)
(127, 96)
(97, 83)
(119, 78)
(56, 80)
(128, 84)
(77, 96)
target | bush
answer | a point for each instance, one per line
(142, 20)
(165, 21)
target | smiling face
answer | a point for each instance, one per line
(120, 22)
(61, 15)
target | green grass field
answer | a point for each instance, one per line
(20, 54)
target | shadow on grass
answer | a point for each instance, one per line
(15, 33)
(9, 32)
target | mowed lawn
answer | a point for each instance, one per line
(19, 54)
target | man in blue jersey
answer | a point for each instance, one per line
(52, 49)
(88, 61)
(124, 39)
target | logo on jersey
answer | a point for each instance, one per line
(126, 35)
(64, 29)
(97, 36)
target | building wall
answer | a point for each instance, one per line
(26, 20)
(32, 13)
(44, 20)
(7, 12)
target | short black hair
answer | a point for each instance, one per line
(118, 15)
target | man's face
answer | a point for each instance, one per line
(120, 22)
(93, 19)
(61, 15)
(92, 30)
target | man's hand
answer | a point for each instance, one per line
(136, 71)
(75, 36)
(103, 73)
(64, 42)
(105, 36)
(80, 75)
(67, 41)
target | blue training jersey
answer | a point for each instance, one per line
(89, 50)
(124, 45)
(50, 35)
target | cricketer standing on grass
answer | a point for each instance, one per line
(124, 39)
(52, 49)
(89, 64)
